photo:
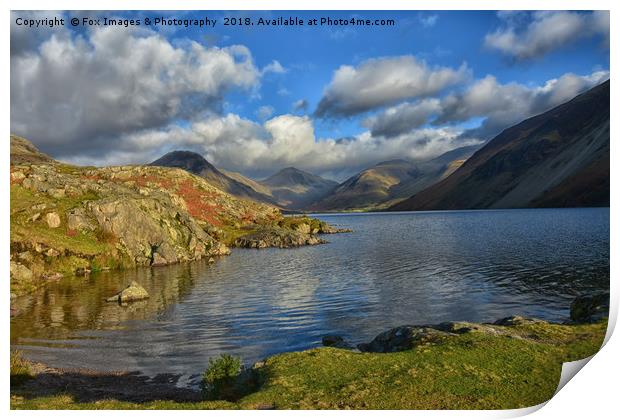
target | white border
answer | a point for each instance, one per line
(591, 395)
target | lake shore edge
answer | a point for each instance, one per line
(419, 367)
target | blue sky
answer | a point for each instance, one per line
(494, 68)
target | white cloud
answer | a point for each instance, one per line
(384, 81)
(545, 32)
(286, 140)
(503, 105)
(85, 92)
(264, 112)
(274, 67)
(499, 105)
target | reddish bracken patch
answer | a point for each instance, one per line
(199, 203)
(248, 217)
(146, 180)
(71, 233)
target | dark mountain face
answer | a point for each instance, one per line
(296, 189)
(190, 161)
(389, 181)
(288, 177)
(556, 159)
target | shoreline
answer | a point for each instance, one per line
(524, 341)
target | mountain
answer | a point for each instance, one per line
(22, 151)
(296, 189)
(556, 159)
(68, 220)
(198, 165)
(390, 181)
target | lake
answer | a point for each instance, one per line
(393, 269)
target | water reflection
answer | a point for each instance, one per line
(394, 269)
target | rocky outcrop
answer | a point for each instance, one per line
(590, 308)
(336, 341)
(150, 232)
(277, 238)
(132, 293)
(73, 220)
(404, 338)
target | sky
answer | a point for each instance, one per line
(330, 99)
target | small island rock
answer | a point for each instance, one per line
(131, 293)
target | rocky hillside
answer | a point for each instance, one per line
(198, 165)
(296, 189)
(72, 220)
(289, 188)
(556, 159)
(389, 182)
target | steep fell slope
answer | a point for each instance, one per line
(556, 159)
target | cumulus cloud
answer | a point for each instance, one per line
(503, 105)
(384, 81)
(84, 92)
(402, 118)
(499, 105)
(526, 38)
(286, 140)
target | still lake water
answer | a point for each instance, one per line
(394, 269)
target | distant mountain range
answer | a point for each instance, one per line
(391, 181)
(297, 189)
(556, 159)
(293, 189)
(198, 165)
(290, 188)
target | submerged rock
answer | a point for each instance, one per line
(131, 293)
(590, 308)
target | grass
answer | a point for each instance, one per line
(468, 371)
(21, 370)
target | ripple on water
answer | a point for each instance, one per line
(393, 269)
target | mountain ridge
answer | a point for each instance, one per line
(387, 181)
(559, 158)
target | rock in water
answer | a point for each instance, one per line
(277, 238)
(590, 308)
(131, 293)
(404, 338)
(336, 341)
